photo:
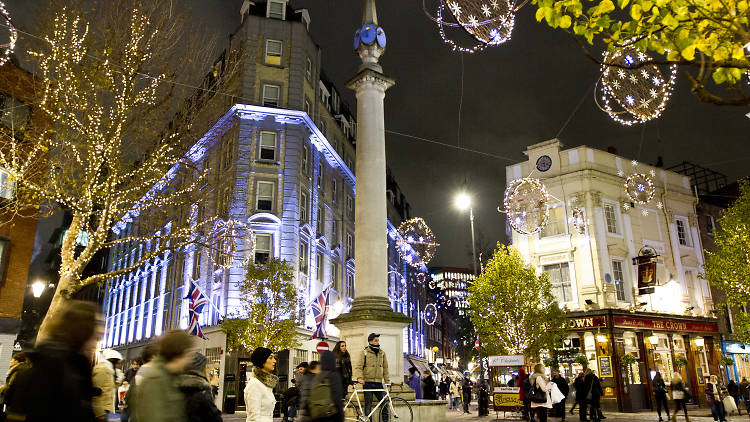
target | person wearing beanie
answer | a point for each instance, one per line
(259, 398)
(199, 401)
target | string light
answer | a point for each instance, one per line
(639, 188)
(229, 241)
(12, 36)
(430, 314)
(489, 22)
(578, 220)
(527, 205)
(631, 92)
(416, 239)
(421, 277)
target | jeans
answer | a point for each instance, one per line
(582, 409)
(378, 395)
(661, 400)
(467, 400)
(541, 414)
(717, 411)
(680, 403)
(559, 409)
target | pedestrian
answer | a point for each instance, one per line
(562, 385)
(734, 391)
(371, 371)
(291, 397)
(443, 389)
(680, 395)
(466, 387)
(343, 363)
(148, 355)
(455, 390)
(135, 364)
(259, 398)
(199, 401)
(660, 394)
(104, 378)
(714, 393)
(157, 395)
(328, 399)
(537, 380)
(18, 364)
(57, 386)
(415, 383)
(306, 383)
(745, 394)
(580, 397)
(523, 383)
(594, 392)
(428, 387)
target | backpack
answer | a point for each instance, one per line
(536, 394)
(526, 385)
(321, 404)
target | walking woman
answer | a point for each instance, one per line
(343, 364)
(537, 380)
(714, 392)
(680, 396)
(660, 394)
(259, 397)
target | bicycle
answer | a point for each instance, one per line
(400, 411)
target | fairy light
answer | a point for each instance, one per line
(396, 286)
(639, 188)
(636, 95)
(496, 29)
(12, 36)
(224, 244)
(527, 205)
(416, 239)
(430, 314)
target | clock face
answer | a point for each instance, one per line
(381, 38)
(368, 34)
(544, 163)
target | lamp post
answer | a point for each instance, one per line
(463, 202)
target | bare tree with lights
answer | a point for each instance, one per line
(116, 88)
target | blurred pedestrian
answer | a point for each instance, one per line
(466, 387)
(306, 383)
(328, 376)
(580, 397)
(523, 383)
(135, 364)
(57, 386)
(148, 355)
(745, 394)
(562, 385)
(415, 382)
(680, 395)
(714, 393)
(594, 392)
(18, 363)
(734, 391)
(455, 390)
(259, 398)
(539, 381)
(199, 401)
(660, 394)
(104, 378)
(157, 396)
(428, 387)
(343, 364)
(443, 389)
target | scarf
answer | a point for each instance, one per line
(375, 349)
(268, 379)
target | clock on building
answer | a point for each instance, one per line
(543, 163)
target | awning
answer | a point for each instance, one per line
(416, 362)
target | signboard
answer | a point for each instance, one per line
(517, 360)
(506, 399)
(229, 377)
(587, 322)
(646, 270)
(605, 366)
(322, 347)
(665, 324)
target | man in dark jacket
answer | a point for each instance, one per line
(199, 401)
(443, 388)
(329, 372)
(466, 388)
(745, 394)
(593, 389)
(580, 386)
(428, 386)
(562, 385)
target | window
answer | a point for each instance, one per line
(308, 69)
(319, 265)
(303, 209)
(227, 151)
(224, 202)
(556, 224)
(308, 107)
(335, 231)
(619, 279)
(350, 284)
(335, 275)
(319, 224)
(7, 187)
(262, 248)
(611, 217)
(682, 234)
(276, 9)
(350, 163)
(710, 225)
(264, 196)
(273, 52)
(303, 258)
(350, 206)
(349, 245)
(334, 190)
(559, 276)
(268, 146)
(271, 95)
(305, 159)
(320, 176)
(336, 144)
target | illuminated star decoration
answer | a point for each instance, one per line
(625, 206)
(397, 286)
(230, 244)
(430, 314)
(527, 205)
(644, 212)
(416, 239)
(630, 91)
(639, 188)
(10, 45)
(488, 26)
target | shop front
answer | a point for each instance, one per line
(740, 352)
(626, 349)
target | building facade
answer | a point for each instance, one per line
(589, 256)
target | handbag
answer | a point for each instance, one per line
(729, 404)
(556, 395)
(536, 394)
(678, 395)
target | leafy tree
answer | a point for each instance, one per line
(729, 267)
(710, 36)
(268, 317)
(513, 308)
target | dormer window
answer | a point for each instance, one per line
(276, 9)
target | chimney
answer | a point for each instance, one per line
(612, 150)
(244, 9)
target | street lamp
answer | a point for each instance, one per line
(37, 288)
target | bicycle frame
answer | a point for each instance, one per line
(387, 396)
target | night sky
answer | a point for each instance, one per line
(516, 94)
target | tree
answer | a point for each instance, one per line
(269, 301)
(729, 267)
(710, 36)
(513, 308)
(114, 84)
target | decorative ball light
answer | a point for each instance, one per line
(488, 22)
(430, 314)
(230, 240)
(416, 239)
(10, 45)
(421, 278)
(639, 188)
(631, 92)
(579, 220)
(526, 204)
(396, 286)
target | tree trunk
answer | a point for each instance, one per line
(58, 300)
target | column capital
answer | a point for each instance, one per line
(370, 77)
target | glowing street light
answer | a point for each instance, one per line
(37, 288)
(463, 201)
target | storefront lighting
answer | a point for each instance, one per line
(601, 338)
(653, 339)
(699, 342)
(37, 288)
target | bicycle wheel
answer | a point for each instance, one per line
(401, 411)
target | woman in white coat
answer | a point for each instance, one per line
(259, 398)
(538, 380)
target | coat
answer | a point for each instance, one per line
(562, 385)
(592, 384)
(57, 387)
(713, 392)
(733, 389)
(428, 388)
(372, 367)
(519, 383)
(538, 381)
(103, 378)
(745, 390)
(344, 366)
(416, 384)
(305, 384)
(328, 371)
(455, 390)
(259, 401)
(157, 395)
(466, 385)
(580, 386)
(199, 402)
(444, 387)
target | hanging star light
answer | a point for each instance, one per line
(526, 204)
(421, 278)
(230, 244)
(579, 221)
(488, 22)
(8, 47)
(430, 314)
(639, 188)
(632, 92)
(417, 244)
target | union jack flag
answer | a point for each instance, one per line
(195, 307)
(320, 311)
